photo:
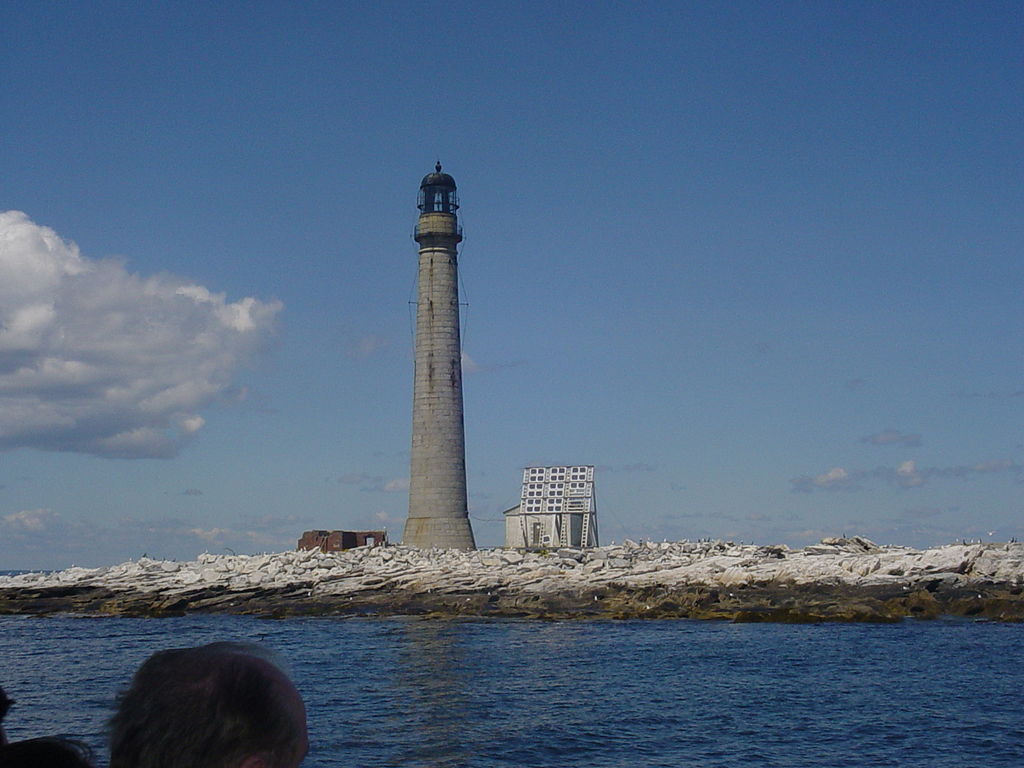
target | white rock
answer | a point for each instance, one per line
(850, 560)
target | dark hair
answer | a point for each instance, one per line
(47, 752)
(207, 707)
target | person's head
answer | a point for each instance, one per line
(47, 752)
(225, 705)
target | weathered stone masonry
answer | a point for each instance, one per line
(438, 509)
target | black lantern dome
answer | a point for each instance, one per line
(437, 193)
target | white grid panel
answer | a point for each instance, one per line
(553, 495)
(546, 489)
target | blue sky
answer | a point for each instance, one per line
(759, 263)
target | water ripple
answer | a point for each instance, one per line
(406, 692)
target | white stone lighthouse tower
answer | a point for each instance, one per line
(438, 513)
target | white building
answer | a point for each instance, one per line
(557, 508)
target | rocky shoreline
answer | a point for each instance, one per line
(840, 579)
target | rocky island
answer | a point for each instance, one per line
(839, 579)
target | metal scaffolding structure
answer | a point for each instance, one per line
(557, 507)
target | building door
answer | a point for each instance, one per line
(536, 534)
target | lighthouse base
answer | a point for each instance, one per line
(438, 533)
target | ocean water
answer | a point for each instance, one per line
(409, 692)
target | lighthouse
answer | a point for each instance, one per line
(438, 511)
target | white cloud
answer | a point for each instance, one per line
(908, 476)
(94, 359)
(390, 519)
(210, 535)
(398, 484)
(27, 538)
(365, 346)
(192, 424)
(469, 365)
(836, 479)
(905, 475)
(28, 520)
